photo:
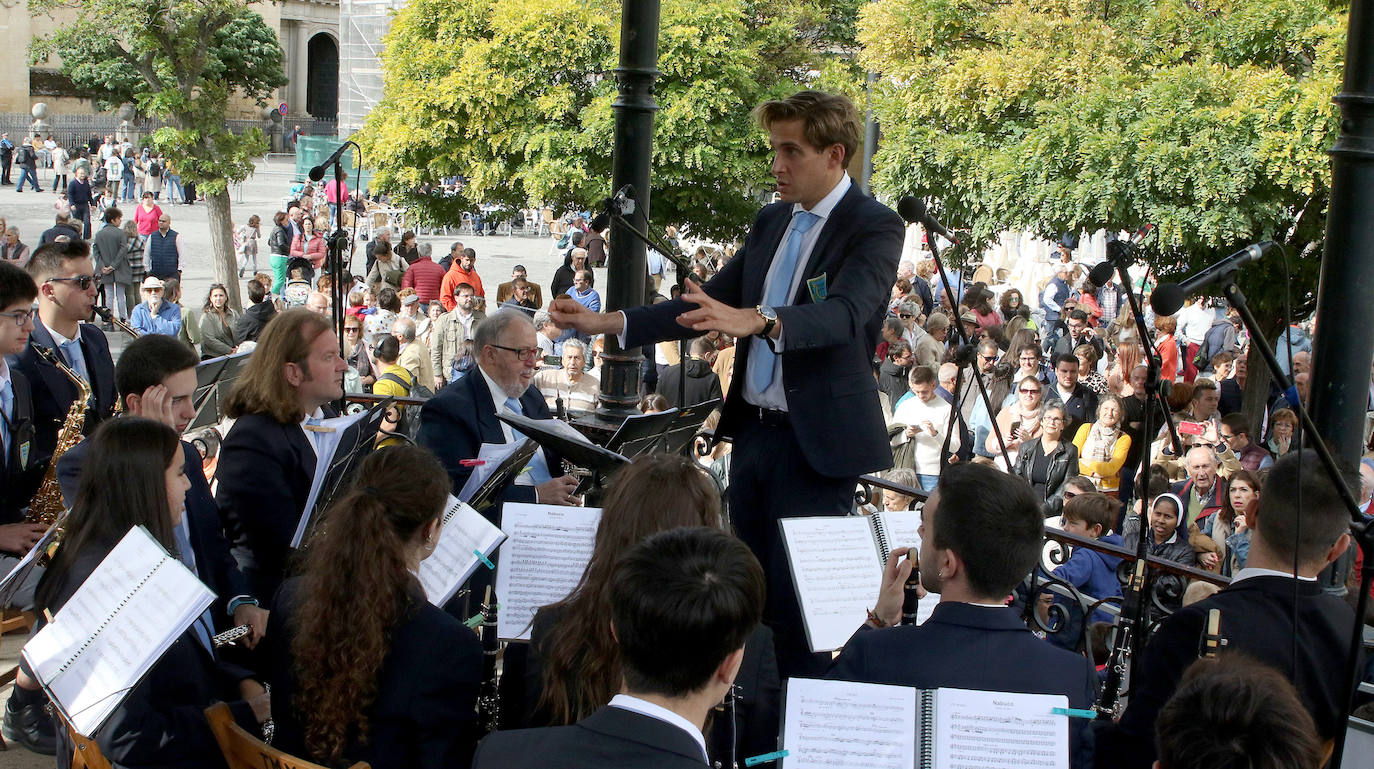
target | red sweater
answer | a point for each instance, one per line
(425, 277)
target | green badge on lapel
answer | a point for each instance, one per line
(817, 288)
(24, 455)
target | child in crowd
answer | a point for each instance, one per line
(1091, 515)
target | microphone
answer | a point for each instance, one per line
(1168, 297)
(623, 203)
(913, 210)
(1102, 273)
(317, 173)
(601, 220)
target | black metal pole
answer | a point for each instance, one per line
(630, 164)
(870, 134)
(1342, 351)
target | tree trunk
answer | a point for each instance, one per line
(1256, 392)
(222, 245)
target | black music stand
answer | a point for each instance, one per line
(640, 433)
(563, 439)
(686, 425)
(355, 442)
(211, 375)
(484, 497)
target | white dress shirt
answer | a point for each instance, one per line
(1255, 571)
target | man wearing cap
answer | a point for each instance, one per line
(162, 253)
(155, 315)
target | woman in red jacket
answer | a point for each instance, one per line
(315, 249)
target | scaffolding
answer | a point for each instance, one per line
(362, 25)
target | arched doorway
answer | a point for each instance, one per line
(322, 81)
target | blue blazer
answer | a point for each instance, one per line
(963, 646)
(461, 417)
(827, 364)
(54, 392)
(18, 479)
(216, 567)
(264, 474)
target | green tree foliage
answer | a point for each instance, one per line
(516, 96)
(180, 60)
(1207, 118)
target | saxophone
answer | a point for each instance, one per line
(47, 503)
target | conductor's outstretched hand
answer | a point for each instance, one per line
(713, 315)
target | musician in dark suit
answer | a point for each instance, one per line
(161, 722)
(66, 294)
(17, 292)
(683, 602)
(1260, 614)
(805, 296)
(981, 533)
(267, 460)
(414, 671)
(461, 417)
(156, 376)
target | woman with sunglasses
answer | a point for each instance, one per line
(1047, 461)
(1021, 421)
(357, 354)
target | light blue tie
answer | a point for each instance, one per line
(6, 416)
(539, 469)
(777, 294)
(204, 622)
(71, 350)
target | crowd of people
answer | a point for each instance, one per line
(831, 358)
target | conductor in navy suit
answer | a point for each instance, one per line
(805, 296)
(981, 533)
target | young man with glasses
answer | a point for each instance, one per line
(66, 283)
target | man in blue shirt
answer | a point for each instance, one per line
(155, 315)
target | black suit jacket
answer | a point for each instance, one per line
(53, 392)
(1256, 618)
(161, 723)
(702, 383)
(461, 417)
(20, 472)
(827, 362)
(263, 475)
(1080, 408)
(963, 646)
(610, 738)
(423, 714)
(214, 565)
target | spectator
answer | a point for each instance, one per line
(335, 193)
(1091, 378)
(547, 335)
(1103, 446)
(892, 374)
(254, 319)
(570, 383)
(925, 422)
(163, 250)
(1080, 403)
(247, 238)
(1235, 434)
(414, 357)
(62, 228)
(317, 249)
(60, 157)
(6, 158)
(382, 235)
(359, 360)
(565, 276)
(147, 215)
(388, 271)
(133, 254)
(1023, 420)
(27, 159)
(451, 331)
(217, 321)
(379, 323)
(1283, 426)
(407, 250)
(424, 276)
(13, 249)
(113, 166)
(1079, 333)
(506, 292)
(583, 291)
(702, 384)
(152, 176)
(1091, 515)
(279, 249)
(1230, 528)
(1194, 322)
(110, 251)
(317, 302)
(393, 379)
(1203, 491)
(155, 315)
(1167, 347)
(463, 270)
(1047, 461)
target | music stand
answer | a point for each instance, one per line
(211, 375)
(640, 433)
(563, 439)
(484, 496)
(354, 441)
(686, 425)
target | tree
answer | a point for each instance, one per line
(516, 96)
(1207, 118)
(180, 60)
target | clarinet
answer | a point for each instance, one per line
(489, 697)
(911, 597)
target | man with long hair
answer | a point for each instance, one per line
(267, 460)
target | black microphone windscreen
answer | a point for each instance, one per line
(1167, 299)
(316, 173)
(1100, 274)
(965, 354)
(911, 209)
(600, 221)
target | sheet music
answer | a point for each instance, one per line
(453, 560)
(126, 614)
(16, 577)
(994, 730)
(491, 455)
(837, 572)
(846, 725)
(926, 607)
(326, 442)
(903, 529)
(543, 559)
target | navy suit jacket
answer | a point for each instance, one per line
(215, 566)
(1257, 619)
(461, 417)
(610, 738)
(18, 478)
(963, 646)
(54, 392)
(264, 474)
(827, 361)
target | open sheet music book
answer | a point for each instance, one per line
(464, 534)
(116, 626)
(847, 725)
(541, 562)
(837, 567)
(21, 571)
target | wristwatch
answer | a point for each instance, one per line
(770, 319)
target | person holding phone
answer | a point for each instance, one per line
(1020, 421)
(925, 417)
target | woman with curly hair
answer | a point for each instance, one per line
(363, 667)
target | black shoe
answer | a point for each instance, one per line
(30, 726)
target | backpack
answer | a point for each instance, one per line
(25, 154)
(101, 176)
(409, 415)
(154, 169)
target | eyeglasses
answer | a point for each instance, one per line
(1070, 494)
(1051, 419)
(351, 329)
(1028, 391)
(82, 282)
(904, 316)
(20, 317)
(523, 353)
(989, 358)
